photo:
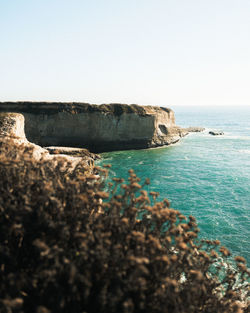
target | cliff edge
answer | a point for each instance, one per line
(98, 128)
(12, 134)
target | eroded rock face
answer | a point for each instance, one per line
(12, 130)
(97, 127)
(12, 125)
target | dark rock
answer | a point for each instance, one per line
(216, 133)
(50, 108)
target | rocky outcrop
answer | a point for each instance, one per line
(97, 127)
(12, 126)
(75, 152)
(12, 129)
(193, 129)
(216, 133)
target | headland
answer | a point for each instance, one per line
(99, 128)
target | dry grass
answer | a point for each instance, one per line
(74, 108)
(70, 243)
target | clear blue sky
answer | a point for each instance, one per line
(161, 52)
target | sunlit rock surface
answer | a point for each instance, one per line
(12, 130)
(12, 126)
(98, 128)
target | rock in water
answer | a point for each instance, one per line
(216, 133)
(194, 129)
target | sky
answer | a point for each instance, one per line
(149, 52)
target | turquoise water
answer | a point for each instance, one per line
(203, 175)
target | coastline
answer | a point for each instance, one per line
(98, 128)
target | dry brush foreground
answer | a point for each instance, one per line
(71, 242)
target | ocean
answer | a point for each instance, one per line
(202, 175)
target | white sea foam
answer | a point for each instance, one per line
(245, 151)
(106, 159)
(237, 137)
(227, 135)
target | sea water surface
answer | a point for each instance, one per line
(203, 175)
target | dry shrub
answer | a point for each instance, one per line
(70, 242)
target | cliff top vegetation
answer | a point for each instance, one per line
(76, 107)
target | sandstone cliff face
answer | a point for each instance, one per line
(12, 132)
(97, 127)
(12, 125)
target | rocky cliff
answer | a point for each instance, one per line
(97, 127)
(12, 126)
(12, 133)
